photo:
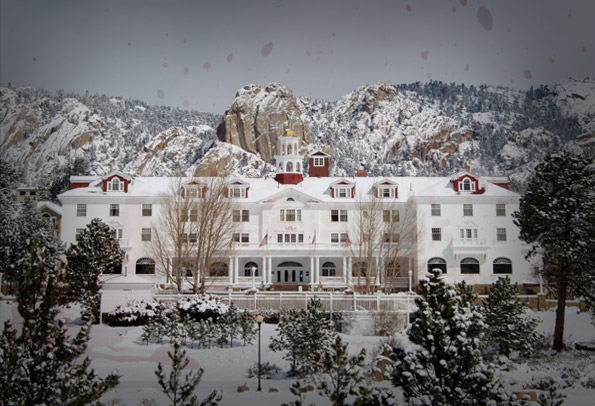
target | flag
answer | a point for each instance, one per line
(347, 241)
(314, 239)
(264, 241)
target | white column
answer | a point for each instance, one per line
(349, 266)
(235, 270)
(379, 270)
(231, 270)
(264, 271)
(312, 277)
(317, 266)
(345, 276)
(270, 269)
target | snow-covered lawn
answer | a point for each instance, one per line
(121, 349)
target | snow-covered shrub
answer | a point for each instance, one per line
(267, 371)
(136, 313)
(200, 307)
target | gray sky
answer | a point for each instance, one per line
(196, 54)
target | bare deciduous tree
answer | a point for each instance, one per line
(193, 230)
(385, 238)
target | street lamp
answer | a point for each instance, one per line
(259, 320)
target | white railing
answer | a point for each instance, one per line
(331, 302)
(468, 242)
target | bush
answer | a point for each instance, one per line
(201, 307)
(267, 371)
(136, 313)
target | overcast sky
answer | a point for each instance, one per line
(197, 54)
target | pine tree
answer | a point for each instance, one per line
(96, 252)
(40, 363)
(446, 367)
(305, 335)
(180, 393)
(508, 327)
(341, 374)
(557, 217)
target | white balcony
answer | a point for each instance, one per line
(469, 247)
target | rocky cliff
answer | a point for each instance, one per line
(257, 117)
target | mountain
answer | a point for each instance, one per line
(410, 129)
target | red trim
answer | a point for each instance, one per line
(318, 171)
(77, 185)
(107, 180)
(475, 181)
(289, 178)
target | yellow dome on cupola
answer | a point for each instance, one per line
(290, 133)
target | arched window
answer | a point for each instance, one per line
(115, 185)
(393, 269)
(248, 269)
(437, 262)
(145, 266)
(297, 167)
(469, 266)
(290, 264)
(218, 269)
(359, 269)
(288, 149)
(289, 167)
(328, 269)
(502, 266)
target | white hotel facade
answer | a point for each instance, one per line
(294, 232)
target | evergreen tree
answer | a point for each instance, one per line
(446, 368)
(248, 329)
(508, 327)
(557, 217)
(96, 252)
(341, 373)
(180, 393)
(305, 335)
(40, 363)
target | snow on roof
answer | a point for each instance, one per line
(319, 189)
(51, 206)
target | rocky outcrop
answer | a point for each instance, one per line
(257, 117)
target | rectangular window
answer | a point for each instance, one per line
(338, 238)
(436, 234)
(318, 161)
(468, 233)
(184, 215)
(280, 238)
(147, 209)
(241, 215)
(193, 238)
(81, 210)
(194, 215)
(290, 238)
(145, 234)
(77, 233)
(500, 234)
(500, 210)
(391, 238)
(390, 216)
(290, 215)
(237, 192)
(385, 192)
(194, 191)
(342, 192)
(339, 215)
(436, 210)
(467, 210)
(114, 210)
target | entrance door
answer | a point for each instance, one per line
(292, 272)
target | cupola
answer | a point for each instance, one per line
(289, 161)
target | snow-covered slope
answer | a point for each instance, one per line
(41, 133)
(411, 129)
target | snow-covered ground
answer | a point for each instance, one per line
(225, 369)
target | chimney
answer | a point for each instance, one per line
(467, 168)
(361, 173)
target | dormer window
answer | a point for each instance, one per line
(193, 191)
(342, 189)
(237, 192)
(318, 161)
(386, 189)
(466, 185)
(115, 185)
